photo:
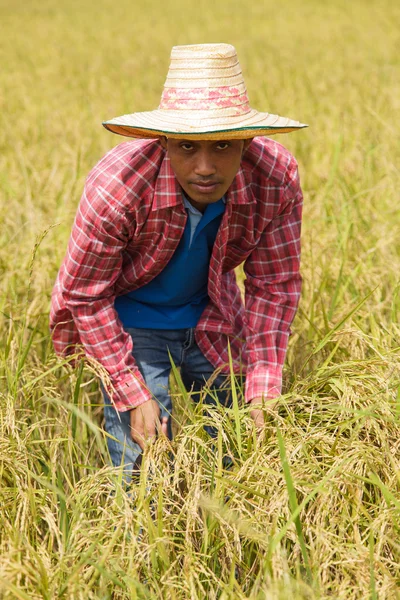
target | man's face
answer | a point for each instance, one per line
(205, 169)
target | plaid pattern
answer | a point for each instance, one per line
(128, 225)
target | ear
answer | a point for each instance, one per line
(247, 143)
(164, 142)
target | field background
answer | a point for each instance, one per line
(312, 508)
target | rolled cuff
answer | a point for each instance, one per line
(263, 381)
(128, 394)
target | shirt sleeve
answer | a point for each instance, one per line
(93, 263)
(272, 291)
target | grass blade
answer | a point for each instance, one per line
(293, 502)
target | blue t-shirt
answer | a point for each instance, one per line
(176, 297)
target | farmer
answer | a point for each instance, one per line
(162, 223)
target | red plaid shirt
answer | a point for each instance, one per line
(128, 225)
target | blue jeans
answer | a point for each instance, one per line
(151, 350)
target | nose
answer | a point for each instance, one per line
(205, 166)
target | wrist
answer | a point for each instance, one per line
(260, 402)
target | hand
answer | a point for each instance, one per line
(257, 414)
(145, 422)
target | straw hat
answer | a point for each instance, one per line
(204, 97)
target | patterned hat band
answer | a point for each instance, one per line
(204, 97)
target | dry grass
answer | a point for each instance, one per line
(311, 509)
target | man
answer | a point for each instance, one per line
(162, 224)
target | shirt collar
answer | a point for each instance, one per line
(240, 190)
(167, 191)
(190, 207)
(193, 209)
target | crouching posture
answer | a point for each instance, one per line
(163, 221)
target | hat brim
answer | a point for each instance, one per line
(206, 125)
(239, 133)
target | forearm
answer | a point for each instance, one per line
(270, 310)
(272, 293)
(104, 340)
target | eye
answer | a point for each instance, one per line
(222, 145)
(187, 146)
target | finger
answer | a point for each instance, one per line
(144, 434)
(138, 438)
(258, 418)
(164, 426)
(150, 430)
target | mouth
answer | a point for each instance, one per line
(205, 187)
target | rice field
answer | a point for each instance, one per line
(311, 507)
